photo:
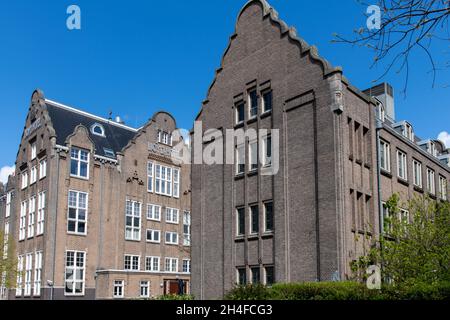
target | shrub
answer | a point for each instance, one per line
(249, 292)
(176, 297)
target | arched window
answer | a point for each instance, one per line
(98, 130)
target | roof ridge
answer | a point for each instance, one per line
(90, 115)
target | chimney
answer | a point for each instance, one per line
(385, 94)
(119, 120)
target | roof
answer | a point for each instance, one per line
(65, 119)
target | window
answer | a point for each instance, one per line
(176, 183)
(19, 275)
(42, 169)
(171, 238)
(23, 220)
(402, 166)
(268, 216)
(77, 215)
(28, 270)
(79, 163)
(387, 227)
(240, 221)
(172, 215)
(152, 264)
(269, 276)
(385, 156)
(186, 228)
(431, 184)
(171, 265)
(132, 263)
(256, 275)
(442, 188)
(98, 130)
(6, 241)
(241, 276)
(153, 236)
(254, 219)
(404, 216)
(75, 273)
(24, 180)
(381, 112)
(109, 153)
(31, 215)
(186, 266)
(267, 101)
(240, 113)
(253, 104)
(407, 131)
(41, 214)
(417, 171)
(37, 273)
(267, 151)
(240, 159)
(150, 176)
(144, 289)
(253, 156)
(33, 175)
(431, 148)
(133, 220)
(163, 180)
(153, 212)
(164, 137)
(33, 151)
(8, 204)
(118, 289)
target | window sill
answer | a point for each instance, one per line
(154, 220)
(432, 196)
(252, 120)
(79, 177)
(359, 161)
(173, 223)
(133, 240)
(154, 242)
(268, 234)
(77, 234)
(403, 181)
(239, 125)
(253, 236)
(253, 173)
(418, 189)
(367, 166)
(266, 114)
(386, 173)
(240, 238)
(239, 176)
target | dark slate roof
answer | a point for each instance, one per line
(65, 119)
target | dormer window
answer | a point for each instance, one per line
(98, 130)
(407, 131)
(431, 148)
(165, 138)
(109, 153)
(381, 112)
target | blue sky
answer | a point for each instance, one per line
(137, 57)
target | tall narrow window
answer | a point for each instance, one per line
(402, 165)
(77, 215)
(172, 215)
(28, 271)
(171, 265)
(42, 169)
(240, 159)
(240, 113)
(6, 241)
(19, 285)
(358, 141)
(269, 276)
(132, 263)
(24, 180)
(253, 104)
(240, 221)
(144, 289)
(256, 275)
(118, 289)
(152, 264)
(150, 176)
(8, 204)
(31, 216)
(23, 220)
(41, 214)
(442, 188)
(254, 219)
(431, 183)
(268, 216)
(79, 163)
(186, 266)
(241, 276)
(253, 156)
(133, 220)
(267, 151)
(387, 227)
(33, 151)
(33, 175)
(37, 273)
(163, 180)
(176, 183)
(385, 156)
(417, 172)
(186, 228)
(267, 101)
(75, 273)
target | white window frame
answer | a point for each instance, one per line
(37, 273)
(187, 224)
(6, 241)
(133, 266)
(41, 213)
(120, 285)
(24, 177)
(150, 176)
(98, 125)
(417, 173)
(79, 161)
(33, 151)
(42, 169)
(171, 262)
(402, 163)
(130, 230)
(152, 261)
(8, 204)
(31, 216)
(172, 215)
(263, 101)
(238, 234)
(236, 114)
(408, 132)
(253, 156)
(250, 108)
(23, 220)
(176, 182)
(19, 282)
(265, 217)
(442, 188)
(153, 232)
(77, 208)
(173, 238)
(240, 159)
(163, 180)
(33, 175)
(385, 148)
(28, 273)
(431, 181)
(266, 160)
(75, 268)
(250, 213)
(404, 215)
(144, 288)
(154, 212)
(186, 266)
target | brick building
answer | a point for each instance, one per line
(100, 210)
(342, 154)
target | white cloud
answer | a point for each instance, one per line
(445, 138)
(5, 172)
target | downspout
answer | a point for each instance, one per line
(55, 224)
(379, 126)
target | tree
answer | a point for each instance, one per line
(8, 262)
(404, 26)
(416, 247)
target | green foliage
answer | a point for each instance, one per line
(249, 292)
(176, 297)
(8, 262)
